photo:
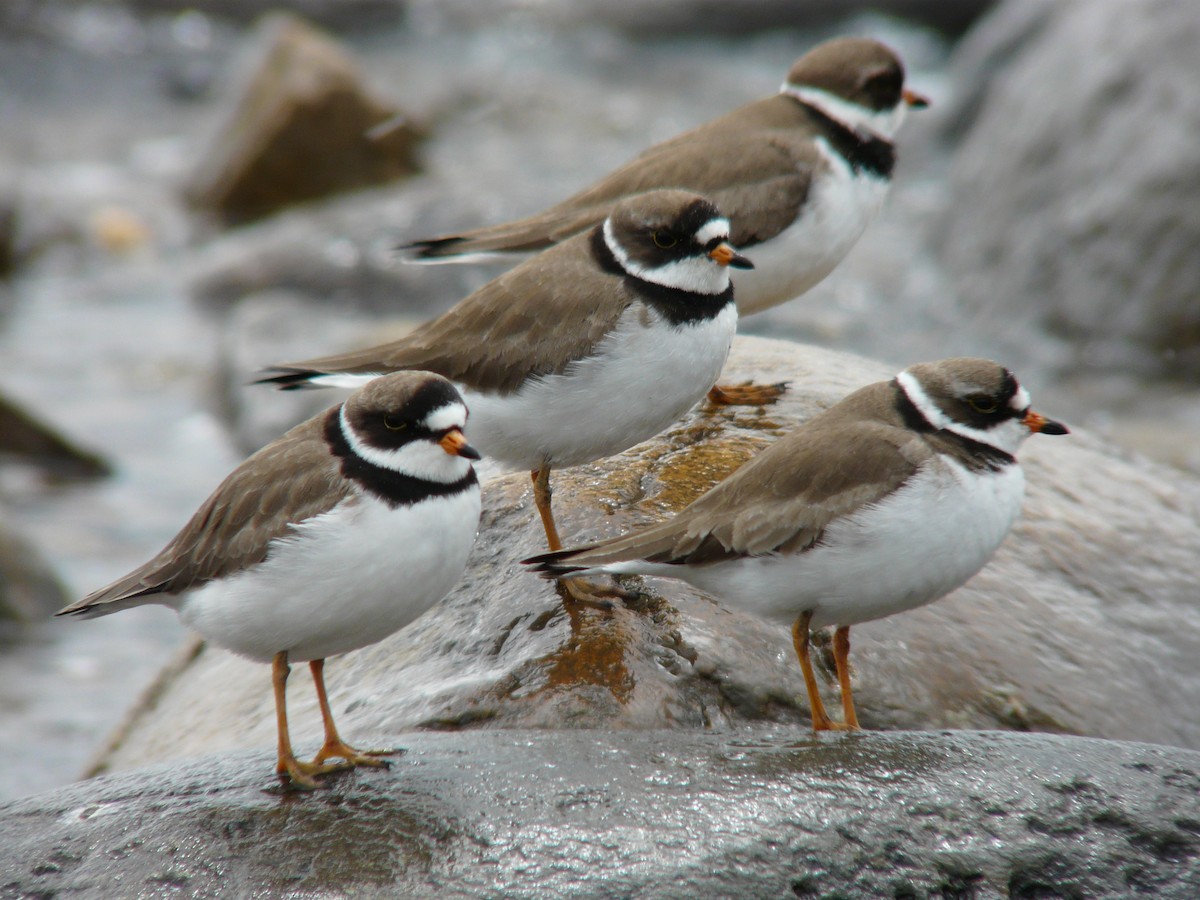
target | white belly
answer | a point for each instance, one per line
(643, 377)
(349, 578)
(913, 548)
(840, 206)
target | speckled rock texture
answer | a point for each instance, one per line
(642, 814)
(1085, 622)
(30, 591)
(1073, 209)
(28, 440)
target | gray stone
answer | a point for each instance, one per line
(635, 814)
(271, 327)
(1085, 622)
(8, 233)
(304, 126)
(665, 17)
(1072, 193)
(731, 17)
(349, 15)
(340, 253)
(30, 591)
(26, 439)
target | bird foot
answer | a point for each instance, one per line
(746, 394)
(301, 775)
(338, 749)
(585, 592)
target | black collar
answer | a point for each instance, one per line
(975, 455)
(863, 150)
(393, 488)
(677, 306)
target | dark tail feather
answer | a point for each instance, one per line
(552, 565)
(290, 379)
(433, 248)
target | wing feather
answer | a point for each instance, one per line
(288, 481)
(782, 500)
(755, 163)
(550, 310)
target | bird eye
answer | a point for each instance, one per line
(393, 423)
(985, 405)
(884, 87)
(664, 240)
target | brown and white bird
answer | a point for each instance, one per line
(589, 348)
(342, 531)
(886, 501)
(800, 174)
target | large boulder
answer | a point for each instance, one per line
(1084, 623)
(1072, 192)
(635, 814)
(702, 16)
(30, 590)
(304, 126)
(26, 439)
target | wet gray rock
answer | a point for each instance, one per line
(635, 814)
(30, 591)
(1085, 622)
(339, 253)
(739, 17)
(669, 16)
(270, 327)
(304, 126)
(8, 233)
(26, 439)
(349, 15)
(1071, 209)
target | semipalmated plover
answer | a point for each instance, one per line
(800, 175)
(330, 538)
(592, 346)
(886, 501)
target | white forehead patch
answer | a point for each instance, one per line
(1020, 400)
(695, 274)
(452, 415)
(884, 122)
(713, 228)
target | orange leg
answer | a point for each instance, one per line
(577, 590)
(541, 498)
(300, 774)
(746, 394)
(334, 746)
(820, 718)
(841, 656)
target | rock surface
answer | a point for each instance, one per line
(304, 127)
(740, 17)
(1085, 622)
(1073, 209)
(25, 439)
(29, 589)
(635, 814)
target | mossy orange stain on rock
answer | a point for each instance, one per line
(595, 654)
(688, 474)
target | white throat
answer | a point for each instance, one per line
(424, 459)
(885, 123)
(695, 274)
(1006, 436)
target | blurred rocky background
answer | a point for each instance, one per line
(192, 190)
